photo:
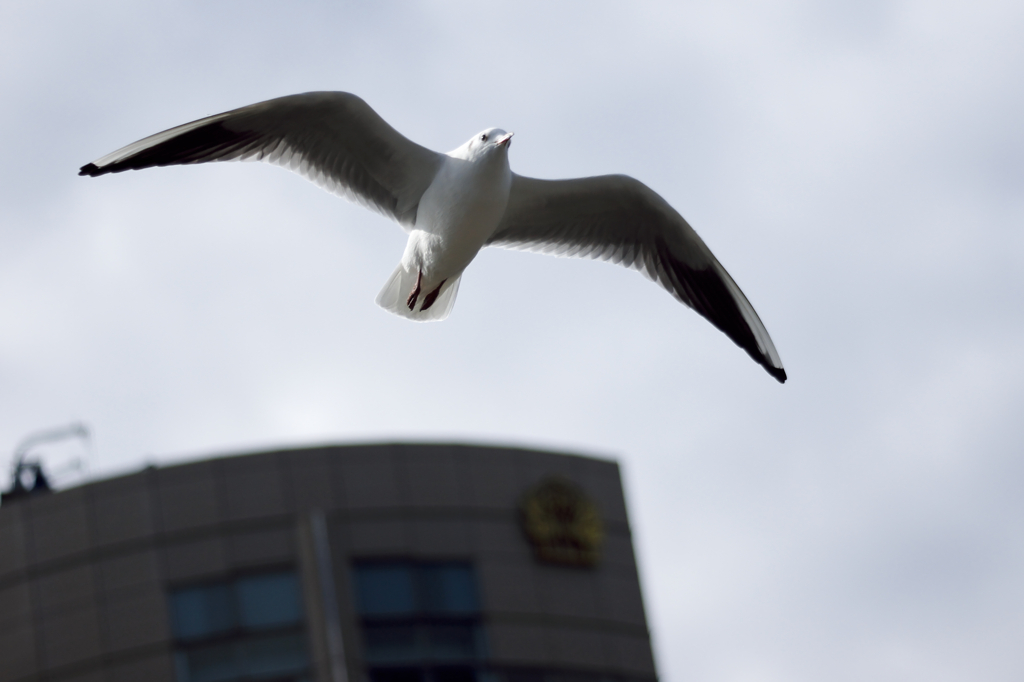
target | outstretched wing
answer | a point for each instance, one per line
(617, 218)
(333, 138)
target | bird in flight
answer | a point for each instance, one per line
(452, 205)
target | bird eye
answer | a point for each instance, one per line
(483, 138)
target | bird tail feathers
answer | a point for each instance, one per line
(396, 292)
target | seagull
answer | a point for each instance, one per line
(452, 205)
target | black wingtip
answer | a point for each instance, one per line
(778, 373)
(90, 169)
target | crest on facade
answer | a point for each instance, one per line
(562, 523)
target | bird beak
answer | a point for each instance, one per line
(505, 141)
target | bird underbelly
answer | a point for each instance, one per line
(457, 214)
(443, 244)
(441, 256)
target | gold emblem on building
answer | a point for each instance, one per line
(562, 523)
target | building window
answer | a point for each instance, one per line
(247, 628)
(420, 621)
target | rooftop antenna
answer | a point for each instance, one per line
(23, 467)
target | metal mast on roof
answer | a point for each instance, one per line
(22, 465)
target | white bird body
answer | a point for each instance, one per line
(459, 211)
(454, 204)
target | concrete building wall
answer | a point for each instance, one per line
(85, 573)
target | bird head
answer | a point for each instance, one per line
(485, 143)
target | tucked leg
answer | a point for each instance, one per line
(432, 296)
(415, 294)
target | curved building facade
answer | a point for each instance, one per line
(376, 563)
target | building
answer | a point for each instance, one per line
(388, 563)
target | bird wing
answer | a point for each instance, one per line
(619, 219)
(332, 138)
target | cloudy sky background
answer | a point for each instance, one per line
(858, 167)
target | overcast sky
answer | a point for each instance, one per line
(857, 166)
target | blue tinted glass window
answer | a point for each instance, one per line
(399, 675)
(448, 588)
(420, 620)
(391, 643)
(451, 642)
(259, 657)
(202, 611)
(454, 675)
(243, 630)
(273, 656)
(212, 664)
(385, 589)
(268, 601)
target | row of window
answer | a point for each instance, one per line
(420, 621)
(404, 588)
(247, 604)
(261, 657)
(249, 628)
